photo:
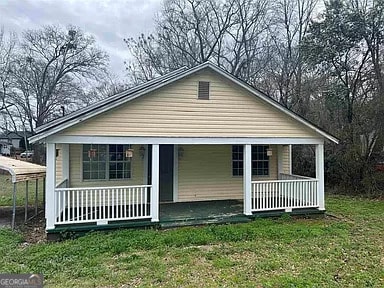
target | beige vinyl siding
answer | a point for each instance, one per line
(174, 110)
(205, 173)
(59, 165)
(286, 159)
(75, 170)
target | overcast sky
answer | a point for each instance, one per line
(108, 20)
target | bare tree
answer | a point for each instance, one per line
(292, 19)
(53, 67)
(7, 59)
(244, 51)
(229, 33)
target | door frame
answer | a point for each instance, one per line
(148, 169)
(175, 173)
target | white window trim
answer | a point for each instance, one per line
(106, 168)
(258, 176)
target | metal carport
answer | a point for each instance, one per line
(22, 171)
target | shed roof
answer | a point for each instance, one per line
(21, 170)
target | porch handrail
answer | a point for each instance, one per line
(284, 181)
(62, 184)
(293, 176)
(107, 187)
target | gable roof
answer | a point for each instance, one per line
(15, 135)
(81, 115)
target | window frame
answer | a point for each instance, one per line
(253, 160)
(107, 164)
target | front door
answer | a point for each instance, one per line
(166, 173)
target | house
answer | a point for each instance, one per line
(192, 136)
(15, 138)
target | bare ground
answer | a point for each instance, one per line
(33, 230)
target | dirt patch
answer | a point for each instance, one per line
(33, 230)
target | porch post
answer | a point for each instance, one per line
(155, 184)
(279, 160)
(320, 175)
(247, 179)
(290, 158)
(50, 201)
(65, 161)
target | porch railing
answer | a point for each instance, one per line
(285, 194)
(102, 204)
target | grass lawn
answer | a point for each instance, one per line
(347, 251)
(6, 191)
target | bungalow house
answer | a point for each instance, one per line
(190, 136)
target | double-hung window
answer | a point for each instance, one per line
(105, 162)
(260, 160)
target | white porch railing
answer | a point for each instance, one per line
(285, 194)
(102, 204)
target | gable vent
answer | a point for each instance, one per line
(203, 92)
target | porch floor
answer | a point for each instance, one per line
(201, 212)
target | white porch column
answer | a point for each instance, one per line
(279, 160)
(320, 174)
(290, 159)
(65, 161)
(50, 201)
(155, 184)
(247, 179)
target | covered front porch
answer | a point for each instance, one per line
(103, 205)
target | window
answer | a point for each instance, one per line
(203, 91)
(119, 164)
(237, 160)
(260, 160)
(104, 162)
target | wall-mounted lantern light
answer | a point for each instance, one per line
(129, 153)
(92, 153)
(269, 152)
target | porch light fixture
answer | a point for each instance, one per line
(92, 153)
(142, 152)
(269, 152)
(180, 152)
(129, 153)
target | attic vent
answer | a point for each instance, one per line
(203, 92)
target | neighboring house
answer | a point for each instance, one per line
(196, 134)
(15, 138)
(5, 148)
